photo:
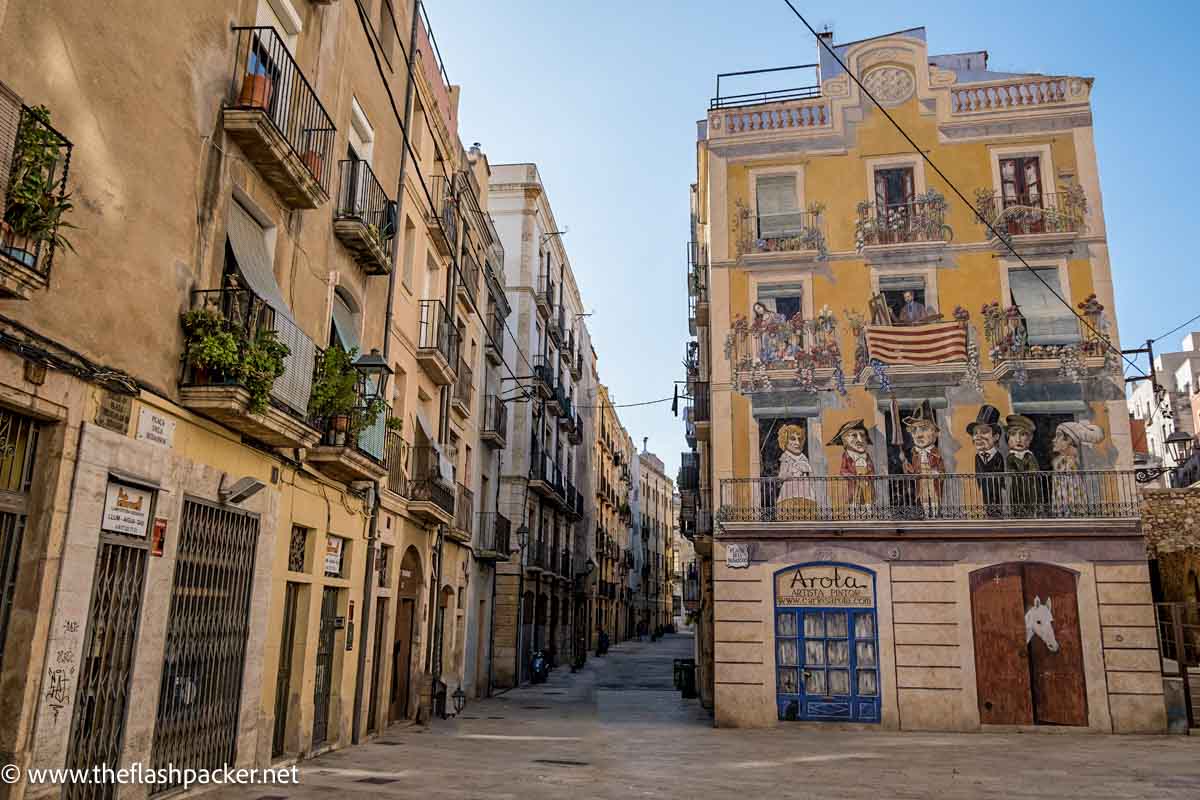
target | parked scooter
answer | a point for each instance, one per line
(539, 667)
(602, 644)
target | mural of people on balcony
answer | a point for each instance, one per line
(797, 491)
(857, 465)
(985, 433)
(1027, 489)
(1073, 492)
(925, 462)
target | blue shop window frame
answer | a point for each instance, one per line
(793, 702)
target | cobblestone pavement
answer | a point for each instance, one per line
(618, 729)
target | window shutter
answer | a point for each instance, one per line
(1047, 319)
(777, 212)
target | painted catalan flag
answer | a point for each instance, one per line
(935, 343)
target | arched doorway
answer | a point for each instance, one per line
(1028, 651)
(407, 596)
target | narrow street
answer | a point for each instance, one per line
(619, 729)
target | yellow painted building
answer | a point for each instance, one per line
(906, 409)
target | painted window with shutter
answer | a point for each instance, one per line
(778, 212)
(1021, 181)
(1036, 293)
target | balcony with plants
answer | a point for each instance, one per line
(34, 163)
(364, 217)
(798, 235)
(886, 225)
(1070, 346)
(437, 342)
(772, 351)
(1032, 215)
(277, 120)
(347, 409)
(249, 367)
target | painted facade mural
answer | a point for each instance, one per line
(826, 643)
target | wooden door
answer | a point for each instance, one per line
(1001, 657)
(1059, 697)
(401, 659)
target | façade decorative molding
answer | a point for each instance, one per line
(890, 85)
(881, 54)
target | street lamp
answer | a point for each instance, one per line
(1179, 445)
(374, 372)
(460, 700)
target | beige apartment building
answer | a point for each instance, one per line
(252, 410)
(614, 455)
(654, 539)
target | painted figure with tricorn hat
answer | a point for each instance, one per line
(1028, 490)
(857, 465)
(925, 462)
(985, 433)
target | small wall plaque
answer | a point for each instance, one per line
(114, 411)
(737, 555)
(155, 428)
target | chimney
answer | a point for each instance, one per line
(645, 447)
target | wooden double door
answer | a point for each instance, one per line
(1028, 652)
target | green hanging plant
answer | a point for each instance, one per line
(335, 387)
(262, 363)
(209, 344)
(35, 208)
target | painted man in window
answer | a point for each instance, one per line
(926, 459)
(985, 433)
(857, 466)
(913, 312)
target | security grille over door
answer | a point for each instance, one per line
(205, 650)
(324, 677)
(105, 666)
(18, 440)
(283, 676)
(12, 527)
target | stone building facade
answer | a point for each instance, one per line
(907, 410)
(653, 543)
(324, 511)
(613, 456)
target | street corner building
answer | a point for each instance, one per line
(911, 489)
(251, 364)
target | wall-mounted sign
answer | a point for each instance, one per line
(333, 556)
(126, 509)
(824, 585)
(158, 536)
(114, 411)
(155, 428)
(737, 556)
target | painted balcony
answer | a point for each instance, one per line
(347, 456)
(1033, 216)
(442, 216)
(364, 217)
(1080, 345)
(437, 343)
(245, 319)
(1017, 94)
(1077, 499)
(493, 532)
(494, 428)
(34, 163)
(275, 116)
(772, 352)
(883, 226)
(799, 236)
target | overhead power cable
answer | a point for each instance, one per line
(917, 149)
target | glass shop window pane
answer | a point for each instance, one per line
(789, 681)
(785, 623)
(814, 625)
(839, 681)
(865, 654)
(864, 626)
(839, 654)
(835, 623)
(814, 681)
(868, 683)
(814, 653)
(789, 653)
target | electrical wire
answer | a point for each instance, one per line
(1177, 328)
(917, 149)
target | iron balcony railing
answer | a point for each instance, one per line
(493, 532)
(495, 417)
(370, 440)
(496, 329)
(396, 458)
(565, 568)
(267, 78)
(249, 317)
(546, 291)
(33, 155)
(543, 375)
(1032, 213)
(797, 231)
(689, 472)
(426, 483)
(537, 554)
(436, 332)
(808, 72)
(699, 402)
(464, 386)
(1111, 494)
(464, 509)
(444, 212)
(470, 275)
(922, 220)
(360, 198)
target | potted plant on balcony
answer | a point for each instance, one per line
(263, 361)
(210, 350)
(35, 204)
(335, 397)
(256, 88)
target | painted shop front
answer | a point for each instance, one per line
(925, 630)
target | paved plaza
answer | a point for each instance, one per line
(618, 729)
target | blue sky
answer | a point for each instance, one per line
(604, 97)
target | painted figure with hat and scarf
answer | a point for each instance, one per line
(857, 464)
(797, 491)
(925, 462)
(985, 433)
(1071, 494)
(1028, 489)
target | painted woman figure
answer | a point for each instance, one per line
(797, 493)
(857, 464)
(1071, 494)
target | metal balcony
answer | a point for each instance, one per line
(442, 216)
(493, 536)
(347, 455)
(544, 297)
(494, 430)
(430, 497)
(437, 343)
(464, 389)
(364, 218)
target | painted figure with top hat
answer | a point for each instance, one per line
(925, 462)
(857, 465)
(985, 433)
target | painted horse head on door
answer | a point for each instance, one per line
(1039, 622)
